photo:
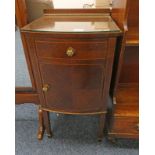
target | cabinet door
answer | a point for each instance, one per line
(73, 88)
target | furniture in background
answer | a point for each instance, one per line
(35, 8)
(123, 115)
(25, 13)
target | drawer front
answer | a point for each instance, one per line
(128, 125)
(72, 50)
(73, 88)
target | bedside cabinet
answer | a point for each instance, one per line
(71, 58)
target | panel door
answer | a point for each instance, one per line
(73, 88)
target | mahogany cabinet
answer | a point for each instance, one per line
(72, 59)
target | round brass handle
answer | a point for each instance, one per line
(70, 52)
(45, 88)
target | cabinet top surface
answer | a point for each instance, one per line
(73, 24)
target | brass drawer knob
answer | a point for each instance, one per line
(70, 52)
(45, 88)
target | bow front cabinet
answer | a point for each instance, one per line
(72, 58)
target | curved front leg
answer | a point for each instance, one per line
(41, 124)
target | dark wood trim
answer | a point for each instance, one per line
(118, 60)
(119, 13)
(74, 113)
(21, 13)
(123, 135)
(120, 10)
(77, 11)
(23, 89)
(26, 97)
(132, 42)
(29, 64)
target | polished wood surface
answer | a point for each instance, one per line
(132, 38)
(125, 127)
(127, 100)
(133, 17)
(133, 24)
(130, 125)
(73, 23)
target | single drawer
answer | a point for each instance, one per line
(125, 124)
(72, 49)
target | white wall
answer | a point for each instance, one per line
(79, 3)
